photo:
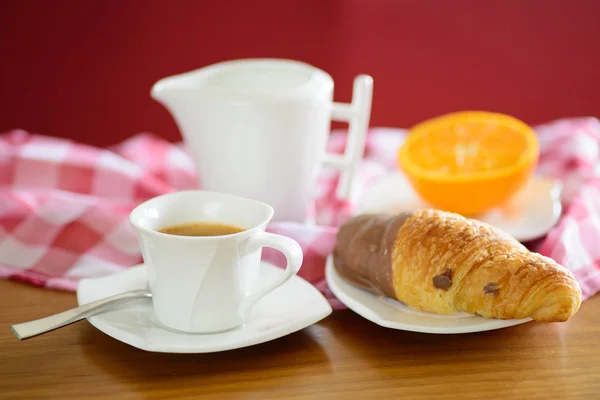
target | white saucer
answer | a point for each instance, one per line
(529, 215)
(394, 314)
(291, 307)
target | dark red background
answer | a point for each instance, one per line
(83, 68)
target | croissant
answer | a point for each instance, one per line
(444, 263)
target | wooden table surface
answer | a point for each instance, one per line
(343, 356)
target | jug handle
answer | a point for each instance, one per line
(357, 115)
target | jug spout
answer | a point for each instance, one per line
(160, 92)
(167, 91)
(175, 90)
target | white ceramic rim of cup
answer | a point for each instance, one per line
(162, 197)
(319, 80)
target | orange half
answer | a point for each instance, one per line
(469, 162)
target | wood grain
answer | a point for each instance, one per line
(343, 356)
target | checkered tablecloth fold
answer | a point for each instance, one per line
(64, 206)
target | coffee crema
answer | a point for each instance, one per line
(201, 229)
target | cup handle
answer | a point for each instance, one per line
(357, 115)
(293, 254)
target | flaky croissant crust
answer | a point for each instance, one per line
(445, 263)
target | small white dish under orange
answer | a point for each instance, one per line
(529, 215)
(293, 306)
(393, 314)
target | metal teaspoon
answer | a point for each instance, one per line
(37, 327)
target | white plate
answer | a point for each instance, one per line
(394, 314)
(529, 215)
(289, 308)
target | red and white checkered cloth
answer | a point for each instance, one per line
(64, 206)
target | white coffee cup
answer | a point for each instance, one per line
(206, 284)
(258, 128)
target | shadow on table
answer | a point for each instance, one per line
(335, 352)
(275, 359)
(393, 354)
